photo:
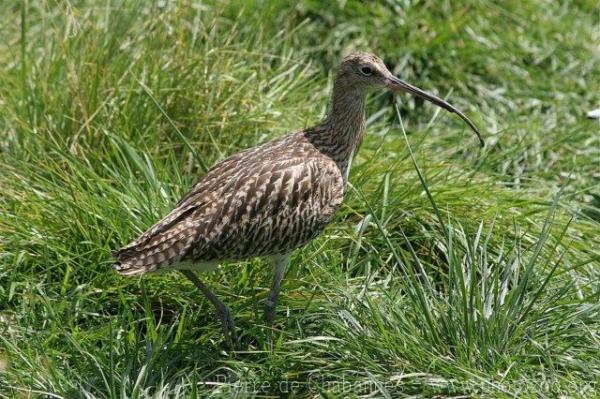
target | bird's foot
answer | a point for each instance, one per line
(228, 324)
(269, 312)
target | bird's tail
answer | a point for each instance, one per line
(130, 262)
(167, 242)
(149, 253)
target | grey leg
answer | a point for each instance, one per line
(281, 262)
(223, 312)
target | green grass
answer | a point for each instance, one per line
(449, 271)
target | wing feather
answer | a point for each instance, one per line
(253, 203)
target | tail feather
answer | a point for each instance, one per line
(128, 269)
(155, 251)
(161, 243)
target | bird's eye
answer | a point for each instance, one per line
(367, 71)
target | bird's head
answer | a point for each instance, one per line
(366, 71)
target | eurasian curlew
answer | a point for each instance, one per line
(270, 199)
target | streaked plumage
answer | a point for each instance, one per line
(270, 199)
(267, 200)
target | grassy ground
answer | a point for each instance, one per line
(480, 279)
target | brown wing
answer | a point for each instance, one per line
(248, 205)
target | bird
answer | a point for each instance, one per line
(271, 199)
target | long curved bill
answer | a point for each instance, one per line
(396, 84)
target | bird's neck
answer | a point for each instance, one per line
(345, 124)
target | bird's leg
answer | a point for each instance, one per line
(223, 312)
(281, 262)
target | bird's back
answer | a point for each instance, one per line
(265, 200)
